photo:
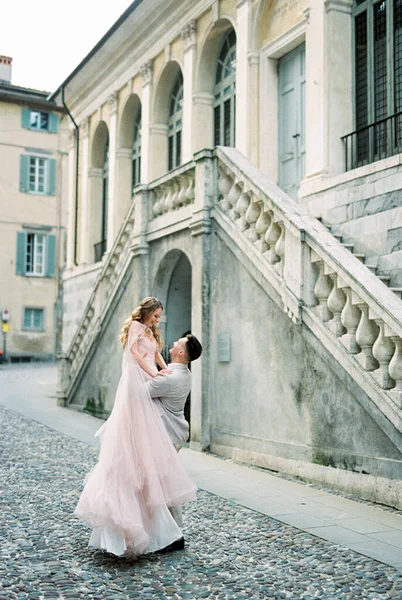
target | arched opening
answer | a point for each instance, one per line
(166, 125)
(225, 92)
(173, 287)
(175, 123)
(211, 77)
(128, 157)
(98, 192)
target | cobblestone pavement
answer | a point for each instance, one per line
(231, 552)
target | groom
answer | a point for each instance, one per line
(170, 394)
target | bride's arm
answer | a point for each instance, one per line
(141, 361)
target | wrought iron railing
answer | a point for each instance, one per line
(99, 249)
(373, 142)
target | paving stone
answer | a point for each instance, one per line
(231, 552)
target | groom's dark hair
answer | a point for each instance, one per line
(193, 347)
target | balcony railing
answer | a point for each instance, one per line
(99, 249)
(373, 142)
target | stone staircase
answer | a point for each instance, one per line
(374, 268)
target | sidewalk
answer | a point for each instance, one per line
(368, 530)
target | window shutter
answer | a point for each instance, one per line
(26, 118)
(51, 181)
(21, 253)
(50, 256)
(24, 169)
(53, 123)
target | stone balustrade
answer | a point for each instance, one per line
(172, 191)
(313, 271)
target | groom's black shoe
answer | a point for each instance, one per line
(176, 545)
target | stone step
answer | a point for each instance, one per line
(372, 268)
(397, 291)
(384, 278)
(361, 257)
(347, 246)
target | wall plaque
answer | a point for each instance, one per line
(224, 347)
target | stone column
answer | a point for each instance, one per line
(94, 233)
(243, 76)
(111, 216)
(71, 199)
(146, 74)
(85, 224)
(200, 227)
(124, 192)
(203, 135)
(189, 36)
(339, 80)
(328, 87)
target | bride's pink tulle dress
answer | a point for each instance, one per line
(138, 474)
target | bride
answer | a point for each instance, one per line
(138, 474)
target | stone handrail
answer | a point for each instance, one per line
(320, 282)
(172, 191)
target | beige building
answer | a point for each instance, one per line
(210, 135)
(33, 171)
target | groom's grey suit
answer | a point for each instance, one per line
(170, 393)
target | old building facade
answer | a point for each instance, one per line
(33, 161)
(209, 136)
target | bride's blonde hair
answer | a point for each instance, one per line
(145, 308)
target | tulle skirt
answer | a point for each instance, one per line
(137, 477)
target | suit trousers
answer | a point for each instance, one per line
(175, 511)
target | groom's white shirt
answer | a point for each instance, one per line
(170, 393)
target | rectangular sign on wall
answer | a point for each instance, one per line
(224, 347)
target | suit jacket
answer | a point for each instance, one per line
(170, 393)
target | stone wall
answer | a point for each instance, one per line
(279, 397)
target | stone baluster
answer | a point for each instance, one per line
(271, 237)
(241, 208)
(224, 185)
(336, 302)
(181, 199)
(252, 214)
(395, 370)
(350, 319)
(383, 351)
(322, 289)
(261, 227)
(280, 247)
(366, 335)
(159, 200)
(190, 193)
(166, 200)
(173, 196)
(233, 196)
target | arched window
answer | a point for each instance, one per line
(105, 194)
(225, 93)
(136, 156)
(377, 79)
(175, 123)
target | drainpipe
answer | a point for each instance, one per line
(77, 154)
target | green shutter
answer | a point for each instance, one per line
(24, 171)
(21, 253)
(26, 118)
(53, 123)
(51, 181)
(50, 256)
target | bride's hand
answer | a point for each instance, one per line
(163, 372)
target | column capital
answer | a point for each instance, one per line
(189, 34)
(253, 57)
(95, 172)
(146, 72)
(344, 6)
(112, 101)
(84, 127)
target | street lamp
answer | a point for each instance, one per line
(5, 317)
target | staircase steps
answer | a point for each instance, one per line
(386, 279)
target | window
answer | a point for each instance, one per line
(225, 93)
(175, 123)
(136, 157)
(36, 254)
(33, 319)
(377, 81)
(39, 120)
(37, 175)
